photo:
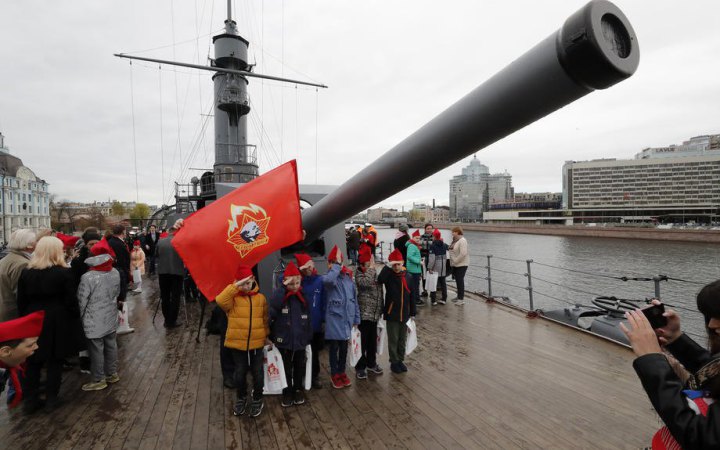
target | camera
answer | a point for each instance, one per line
(654, 314)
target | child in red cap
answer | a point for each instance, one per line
(18, 341)
(369, 295)
(341, 315)
(137, 265)
(399, 307)
(291, 331)
(247, 334)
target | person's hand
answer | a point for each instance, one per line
(430, 271)
(640, 334)
(670, 332)
(268, 343)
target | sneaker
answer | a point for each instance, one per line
(434, 303)
(240, 407)
(316, 384)
(137, 291)
(442, 302)
(361, 374)
(114, 378)
(454, 299)
(377, 370)
(256, 407)
(403, 367)
(345, 380)
(299, 397)
(424, 294)
(84, 364)
(395, 368)
(95, 386)
(337, 382)
(460, 302)
(287, 400)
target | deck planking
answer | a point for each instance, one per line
(483, 376)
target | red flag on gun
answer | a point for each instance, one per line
(242, 227)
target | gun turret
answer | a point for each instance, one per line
(594, 49)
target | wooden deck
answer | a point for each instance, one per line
(483, 376)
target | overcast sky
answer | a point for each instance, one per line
(66, 104)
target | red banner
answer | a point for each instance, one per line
(242, 227)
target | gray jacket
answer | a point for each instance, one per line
(168, 260)
(11, 267)
(97, 296)
(369, 295)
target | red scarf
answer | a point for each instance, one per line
(15, 380)
(401, 275)
(414, 243)
(298, 294)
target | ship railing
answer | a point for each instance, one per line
(517, 274)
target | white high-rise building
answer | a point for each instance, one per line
(25, 199)
(475, 189)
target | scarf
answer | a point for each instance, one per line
(401, 275)
(15, 380)
(414, 243)
(298, 294)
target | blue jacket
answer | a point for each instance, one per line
(290, 326)
(341, 306)
(312, 288)
(413, 258)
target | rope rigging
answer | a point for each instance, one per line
(132, 109)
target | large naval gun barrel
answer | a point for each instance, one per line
(594, 49)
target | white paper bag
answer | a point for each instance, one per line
(411, 341)
(123, 321)
(136, 276)
(355, 349)
(274, 370)
(381, 336)
(308, 367)
(431, 281)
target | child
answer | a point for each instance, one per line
(369, 295)
(247, 334)
(414, 267)
(399, 307)
(312, 289)
(437, 257)
(341, 314)
(97, 296)
(137, 265)
(18, 341)
(291, 331)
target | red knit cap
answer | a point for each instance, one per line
(25, 327)
(395, 257)
(136, 243)
(67, 240)
(102, 248)
(437, 234)
(335, 254)
(291, 271)
(303, 260)
(365, 254)
(243, 273)
(416, 233)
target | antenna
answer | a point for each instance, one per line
(229, 10)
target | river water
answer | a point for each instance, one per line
(577, 269)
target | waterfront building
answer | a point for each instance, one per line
(379, 215)
(25, 199)
(422, 212)
(696, 146)
(472, 192)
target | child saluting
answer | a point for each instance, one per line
(247, 334)
(291, 331)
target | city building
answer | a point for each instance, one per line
(696, 146)
(472, 192)
(421, 212)
(25, 199)
(379, 215)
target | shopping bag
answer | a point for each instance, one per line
(123, 320)
(431, 281)
(355, 350)
(136, 276)
(274, 370)
(381, 336)
(411, 341)
(308, 367)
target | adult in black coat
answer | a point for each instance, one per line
(399, 242)
(151, 240)
(47, 285)
(661, 383)
(122, 258)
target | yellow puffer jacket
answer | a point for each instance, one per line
(247, 318)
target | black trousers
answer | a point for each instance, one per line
(170, 291)
(368, 339)
(32, 378)
(250, 361)
(459, 274)
(295, 366)
(227, 364)
(317, 344)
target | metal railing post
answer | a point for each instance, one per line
(489, 277)
(657, 279)
(529, 288)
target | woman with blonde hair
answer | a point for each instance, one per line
(459, 261)
(47, 285)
